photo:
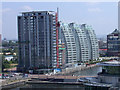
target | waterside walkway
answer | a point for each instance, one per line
(64, 75)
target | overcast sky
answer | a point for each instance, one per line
(103, 16)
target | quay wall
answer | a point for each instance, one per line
(47, 82)
(8, 84)
(13, 85)
(68, 71)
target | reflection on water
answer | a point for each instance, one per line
(57, 87)
(53, 86)
(49, 86)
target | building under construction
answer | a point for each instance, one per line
(38, 40)
(45, 43)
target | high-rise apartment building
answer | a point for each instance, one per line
(119, 23)
(0, 40)
(81, 44)
(44, 43)
(68, 38)
(113, 44)
(119, 15)
(0, 54)
(37, 39)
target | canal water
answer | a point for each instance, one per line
(89, 72)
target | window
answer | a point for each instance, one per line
(119, 80)
(41, 16)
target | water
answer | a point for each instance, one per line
(49, 86)
(89, 72)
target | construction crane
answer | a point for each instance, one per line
(57, 47)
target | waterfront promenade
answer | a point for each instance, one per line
(42, 79)
(57, 76)
(66, 74)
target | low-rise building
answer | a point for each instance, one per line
(9, 57)
(113, 44)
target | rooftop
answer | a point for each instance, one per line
(115, 31)
(37, 11)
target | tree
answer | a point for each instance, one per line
(5, 64)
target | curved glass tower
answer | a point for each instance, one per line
(70, 43)
(80, 42)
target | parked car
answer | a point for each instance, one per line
(12, 75)
(6, 76)
(0, 76)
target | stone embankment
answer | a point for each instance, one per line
(68, 71)
(9, 83)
